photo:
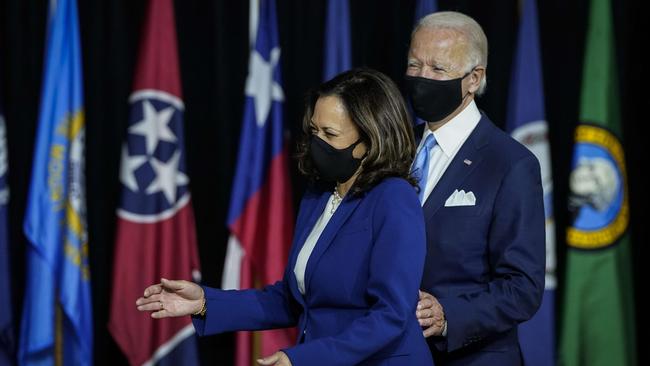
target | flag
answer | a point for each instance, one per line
(155, 235)
(526, 123)
(57, 322)
(598, 326)
(6, 314)
(338, 56)
(422, 9)
(260, 216)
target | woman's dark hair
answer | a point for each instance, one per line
(375, 105)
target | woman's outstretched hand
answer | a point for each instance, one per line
(171, 298)
(277, 359)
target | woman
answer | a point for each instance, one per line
(351, 284)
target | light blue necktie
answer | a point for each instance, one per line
(420, 168)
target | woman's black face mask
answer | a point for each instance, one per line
(333, 165)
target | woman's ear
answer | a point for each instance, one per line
(360, 151)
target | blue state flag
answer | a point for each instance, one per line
(526, 122)
(338, 54)
(56, 324)
(422, 9)
(6, 311)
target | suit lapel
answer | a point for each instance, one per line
(301, 236)
(314, 214)
(458, 170)
(341, 215)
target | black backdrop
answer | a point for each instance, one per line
(213, 47)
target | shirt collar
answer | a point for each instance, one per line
(453, 133)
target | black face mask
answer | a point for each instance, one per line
(433, 100)
(334, 165)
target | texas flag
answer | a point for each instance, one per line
(260, 218)
(155, 224)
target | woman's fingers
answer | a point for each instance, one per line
(161, 314)
(152, 290)
(186, 289)
(151, 306)
(164, 283)
(146, 300)
(170, 298)
(277, 359)
(270, 360)
(172, 285)
(151, 303)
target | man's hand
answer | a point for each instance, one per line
(430, 315)
(277, 359)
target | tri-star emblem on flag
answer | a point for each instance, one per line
(153, 162)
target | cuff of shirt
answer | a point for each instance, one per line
(444, 329)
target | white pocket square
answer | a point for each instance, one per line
(460, 198)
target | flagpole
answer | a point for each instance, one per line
(58, 338)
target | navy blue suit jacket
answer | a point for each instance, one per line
(485, 263)
(361, 285)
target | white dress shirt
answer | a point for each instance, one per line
(310, 242)
(449, 138)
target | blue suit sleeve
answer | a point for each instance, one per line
(269, 308)
(234, 310)
(396, 265)
(516, 251)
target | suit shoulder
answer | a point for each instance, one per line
(394, 186)
(395, 199)
(507, 150)
(393, 195)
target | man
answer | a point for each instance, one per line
(482, 199)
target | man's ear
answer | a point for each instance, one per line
(474, 78)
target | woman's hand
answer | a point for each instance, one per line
(171, 298)
(277, 359)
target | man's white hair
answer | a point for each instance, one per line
(477, 53)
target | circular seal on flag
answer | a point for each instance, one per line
(598, 198)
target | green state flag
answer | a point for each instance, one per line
(598, 310)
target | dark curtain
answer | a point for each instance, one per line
(213, 47)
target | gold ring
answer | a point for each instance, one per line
(162, 306)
